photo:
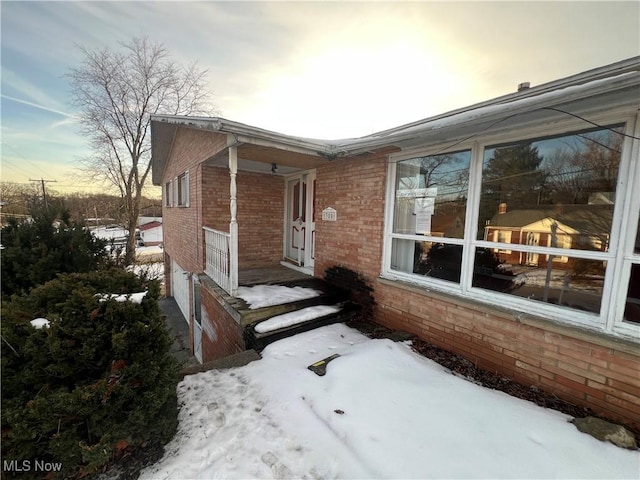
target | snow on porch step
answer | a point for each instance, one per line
(262, 333)
(258, 302)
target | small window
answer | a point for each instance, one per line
(502, 236)
(168, 195)
(183, 190)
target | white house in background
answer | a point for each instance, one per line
(151, 232)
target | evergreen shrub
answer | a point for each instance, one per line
(99, 382)
(35, 252)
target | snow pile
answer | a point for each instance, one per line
(381, 411)
(39, 323)
(148, 251)
(294, 318)
(260, 296)
(152, 271)
(126, 297)
(110, 233)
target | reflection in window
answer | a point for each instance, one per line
(579, 286)
(431, 195)
(637, 245)
(430, 259)
(561, 189)
(632, 305)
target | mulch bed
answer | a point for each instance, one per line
(465, 368)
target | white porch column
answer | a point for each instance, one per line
(233, 225)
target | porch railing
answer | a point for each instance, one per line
(218, 263)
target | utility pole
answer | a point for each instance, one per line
(44, 192)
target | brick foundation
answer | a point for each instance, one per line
(221, 334)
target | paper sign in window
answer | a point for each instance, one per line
(424, 208)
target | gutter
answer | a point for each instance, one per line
(247, 134)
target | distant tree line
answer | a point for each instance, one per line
(19, 198)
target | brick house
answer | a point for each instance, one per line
(406, 210)
(564, 226)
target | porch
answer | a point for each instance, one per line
(257, 215)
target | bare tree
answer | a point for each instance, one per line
(116, 92)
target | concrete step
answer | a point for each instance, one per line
(330, 296)
(258, 341)
(236, 360)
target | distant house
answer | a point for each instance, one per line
(584, 227)
(151, 233)
(413, 212)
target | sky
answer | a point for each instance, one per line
(316, 69)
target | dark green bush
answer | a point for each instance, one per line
(100, 380)
(34, 253)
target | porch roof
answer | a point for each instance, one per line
(618, 84)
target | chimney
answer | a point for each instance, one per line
(502, 208)
(523, 86)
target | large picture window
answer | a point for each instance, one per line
(553, 193)
(528, 224)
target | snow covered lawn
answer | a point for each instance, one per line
(381, 411)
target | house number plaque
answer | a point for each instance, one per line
(329, 214)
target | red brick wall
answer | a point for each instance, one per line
(221, 334)
(584, 368)
(260, 219)
(356, 189)
(183, 238)
(260, 213)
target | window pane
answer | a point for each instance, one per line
(430, 259)
(575, 282)
(553, 192)
(637, 245)
(431, 195)
(632, 307)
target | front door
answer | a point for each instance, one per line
(533, 239)
(300, 225)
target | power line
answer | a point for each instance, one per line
(20, 155)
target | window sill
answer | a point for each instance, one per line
(608, 340)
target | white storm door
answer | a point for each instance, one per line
(310, 217)
(300, 222)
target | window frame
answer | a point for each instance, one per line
(182, 189)
(618, 259)
(390, 215)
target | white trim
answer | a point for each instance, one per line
(233, 223)
(624, 261)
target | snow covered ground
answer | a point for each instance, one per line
(381, 411)
(153, 271)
